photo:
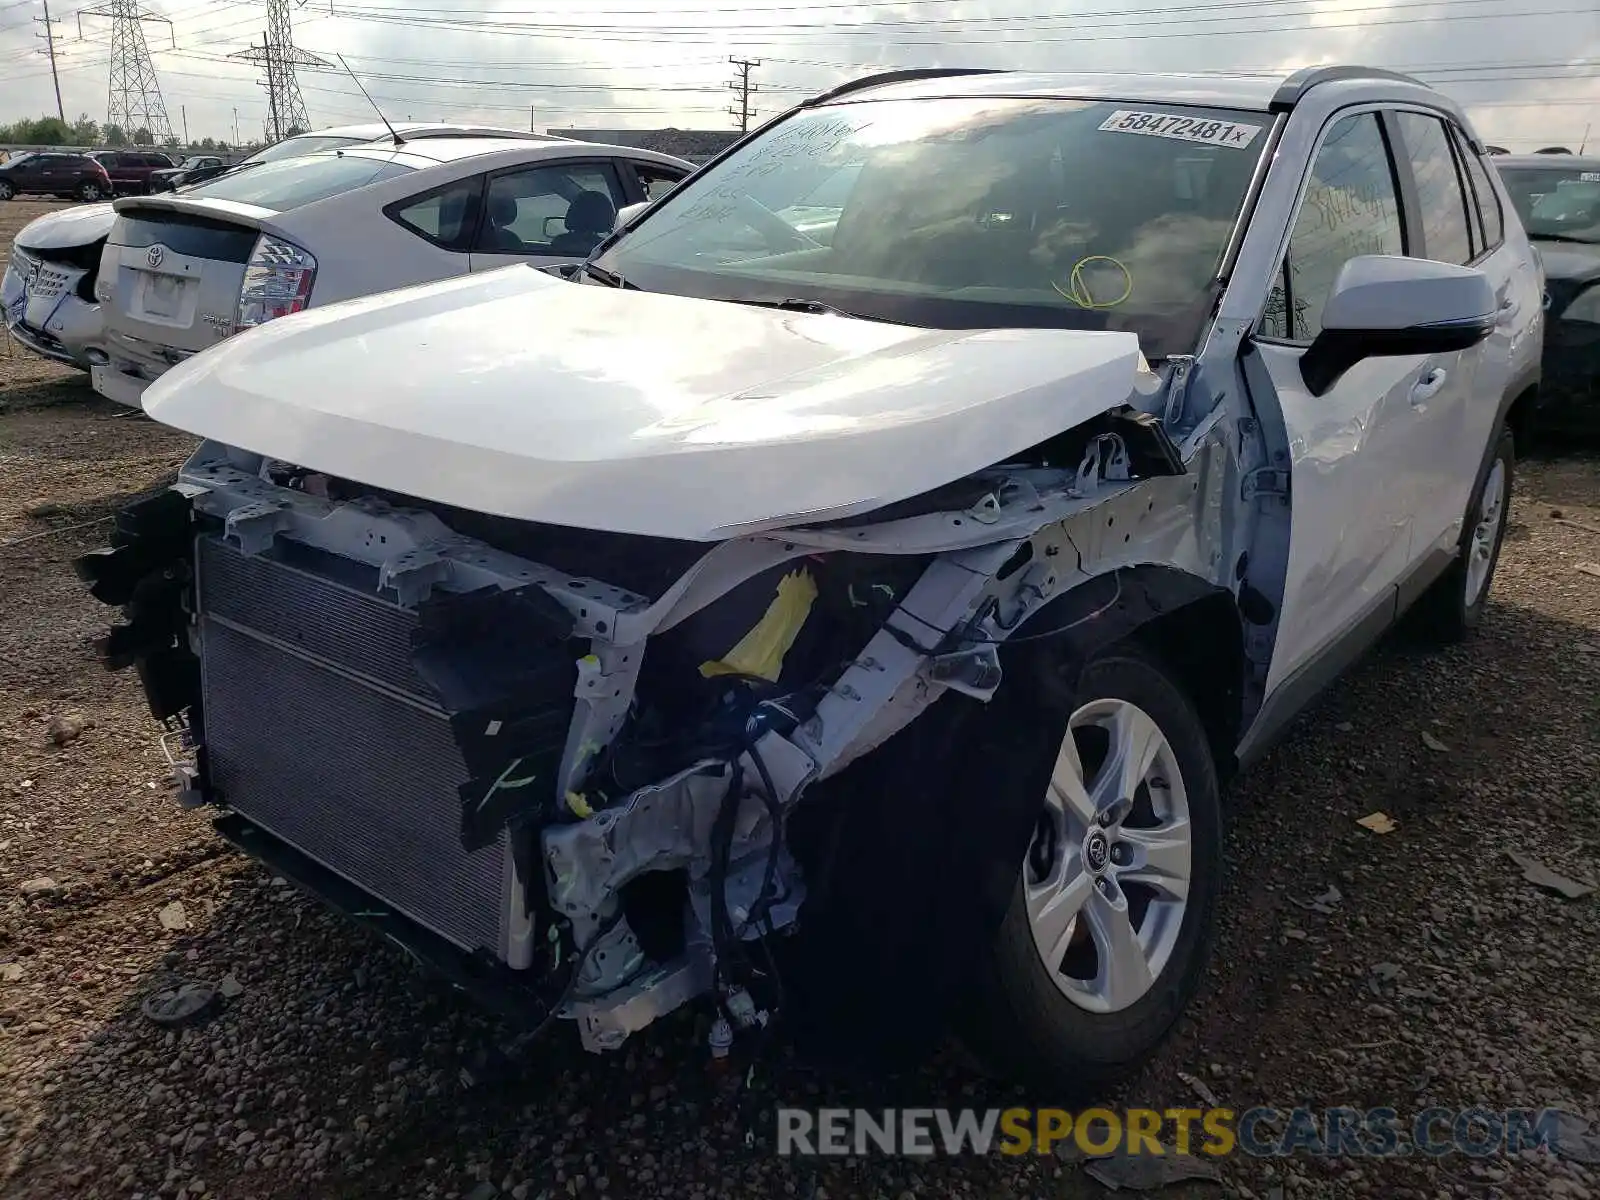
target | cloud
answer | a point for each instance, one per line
(1528, 78)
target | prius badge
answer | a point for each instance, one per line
(154, 255)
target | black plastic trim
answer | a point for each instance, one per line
(1333, 351)
(1293, 89)
(1312, 680)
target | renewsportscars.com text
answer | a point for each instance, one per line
(1259, 1132)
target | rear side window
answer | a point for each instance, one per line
(656, 181)
(1351, 208)
(1441, 200)
(295, 181)
(445, 216)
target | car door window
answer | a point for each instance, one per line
(655, 180)
(1488, 200)
(561, 209)
(445, 216)
(1441, 202)
(1351, 207)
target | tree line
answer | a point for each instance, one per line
(52, 131)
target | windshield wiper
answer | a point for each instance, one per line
(799, 304)
(609, 278)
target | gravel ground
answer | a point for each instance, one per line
(1439, 977)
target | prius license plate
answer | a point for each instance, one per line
(160, 295)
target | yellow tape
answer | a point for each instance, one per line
(761, 651)
(580, 806)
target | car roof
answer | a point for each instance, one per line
(1547, 162)
(1239, 91)
(436, 150)
(1259, 92)
(374, 130)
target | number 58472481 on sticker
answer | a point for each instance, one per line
(1183, 129)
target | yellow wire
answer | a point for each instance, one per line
(1080, 294)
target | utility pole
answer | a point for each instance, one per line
(236, 128)
(49, 36)
(744, 87)
(183, 111)
(531, 129)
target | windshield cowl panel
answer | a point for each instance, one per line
(972, 212)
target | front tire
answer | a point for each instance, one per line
(1109, 925)
(7, 189)
(1452, 607)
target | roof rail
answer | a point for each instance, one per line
(883, 78)
(1293, 89)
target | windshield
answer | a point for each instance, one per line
(296, 181)
(1556, 201)
(192, 161)
(966, 213)
(296, 146)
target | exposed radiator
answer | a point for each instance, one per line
(318, 730)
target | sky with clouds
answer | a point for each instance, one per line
(1529, 72)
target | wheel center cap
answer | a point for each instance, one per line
(1097, 852)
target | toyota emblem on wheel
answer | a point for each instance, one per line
(154, 256)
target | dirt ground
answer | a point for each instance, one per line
(1438, 975)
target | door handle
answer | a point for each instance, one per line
(1428, 386)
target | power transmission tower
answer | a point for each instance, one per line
(278, 57)
(744, 87)
(134, 97)
(49, 36)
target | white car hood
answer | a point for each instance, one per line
(77, 226)
(521, 395)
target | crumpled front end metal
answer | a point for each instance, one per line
(480, 741)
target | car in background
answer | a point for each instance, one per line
(339, 136)
(130, 170)
(182, 272)
(62, 321)
(1557, 196)
(54, 173)
(47, 294)
(197, 168)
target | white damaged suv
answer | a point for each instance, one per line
(848, 597)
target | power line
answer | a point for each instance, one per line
(934, 26)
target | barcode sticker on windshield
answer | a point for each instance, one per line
(1183, 129)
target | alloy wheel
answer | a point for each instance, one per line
(1486, 533)
(1106, 878)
